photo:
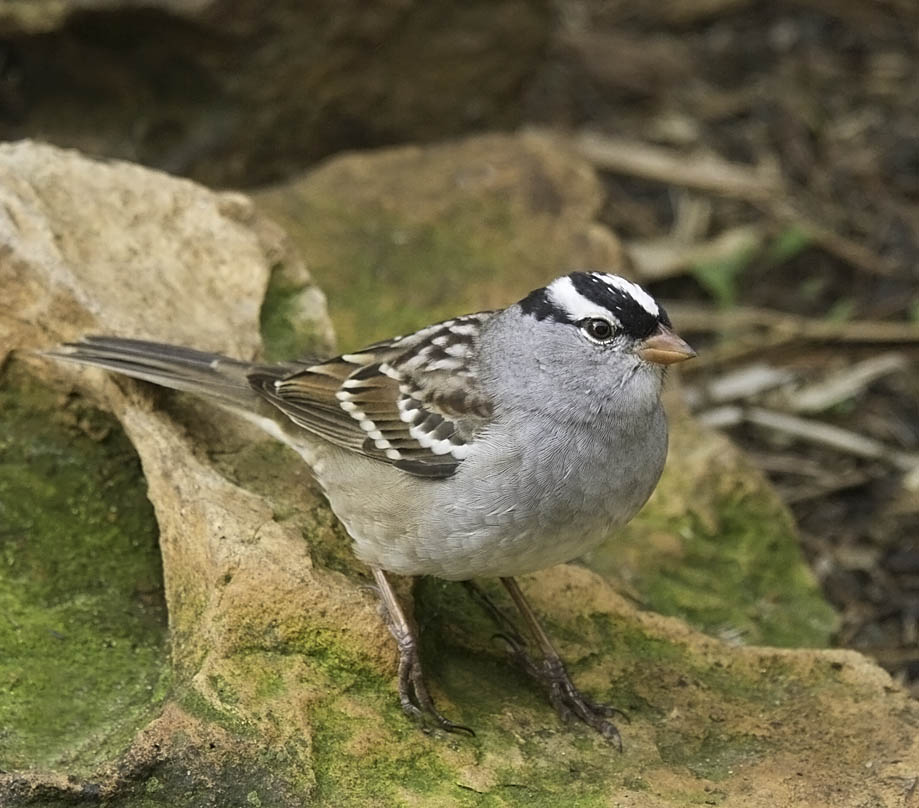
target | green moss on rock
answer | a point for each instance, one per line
(85, 659)
(740, 575)
(291, 323)
(384, 255)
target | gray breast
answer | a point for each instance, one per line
(538, 497)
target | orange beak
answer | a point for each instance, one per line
(664, 347)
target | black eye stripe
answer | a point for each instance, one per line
(635, 319)
(631, 317)
(538, 305)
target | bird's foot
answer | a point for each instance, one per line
(414, 695)
(549, 671)
(569, 702)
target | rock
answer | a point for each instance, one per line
(85, 646)
(282, 682)
(465, 225)
(236, 94)
(115, 248)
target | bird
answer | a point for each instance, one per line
(489, 445)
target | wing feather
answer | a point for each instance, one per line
(414, 401)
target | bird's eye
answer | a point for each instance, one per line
(597, 328)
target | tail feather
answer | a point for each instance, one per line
(179, 368)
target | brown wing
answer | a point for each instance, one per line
(414, 401)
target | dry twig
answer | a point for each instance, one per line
(770, 329)
(737, 385)
(703, 171)
(843, 384)
(656, 259)
(834, 437)
(759, 185)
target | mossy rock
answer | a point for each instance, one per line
(716, 547)
(85, 660)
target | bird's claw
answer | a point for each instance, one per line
(414, 695)
(569, 702)
(550, 672)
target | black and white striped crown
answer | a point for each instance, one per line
(584, 295)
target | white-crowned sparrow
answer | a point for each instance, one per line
(492, 444)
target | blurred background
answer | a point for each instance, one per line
(760, 162)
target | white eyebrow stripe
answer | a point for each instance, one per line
(563, 295)
(633, 290)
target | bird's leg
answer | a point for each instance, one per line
(507, 630)
(550, 672)
(414, 697)
(565, 697)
